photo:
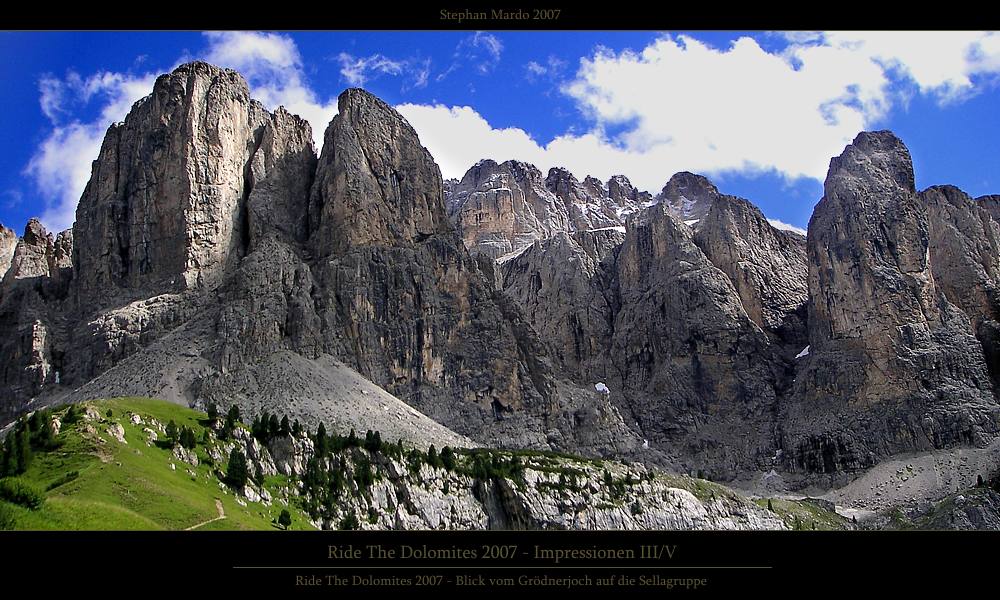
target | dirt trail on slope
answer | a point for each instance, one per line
(222, 515)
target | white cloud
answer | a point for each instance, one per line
(785, 226)
(534, 70)
(482, 50)
(943, 64)
(273, 67)
(52, 97)
(680, 104)
(454, 135)
(357, 70)
(61, 165)
(552, 69)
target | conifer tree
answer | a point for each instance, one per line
(322, 441)
(236, 470)
(172, 432)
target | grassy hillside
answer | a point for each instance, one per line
(92, 481)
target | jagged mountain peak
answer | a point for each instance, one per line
(688, 195)
(879, 158)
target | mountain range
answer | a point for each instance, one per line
(217, 259)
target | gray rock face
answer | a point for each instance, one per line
(688, 196)
(33, 255)
(400, 297)
(692, 367)
(281, 175)
(625, 195)
(8, 241)
(564, 285)
(894, 365)
(649, 315)
(32, 334)
(165, 208)
(965, 260)
(766, 266)
(501, 209)
(587, 204)
(992, 205)
(291, 454)
(376, 185)
(976, 509)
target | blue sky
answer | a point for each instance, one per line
(760, 113)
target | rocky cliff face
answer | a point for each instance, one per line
(692, 366)
(8, 241)
(688, 196)
(165, 209)
(34, 254)
(400, 297)
(992, 205)
(501, 209)
(32, 294)
(964, 251)
(587, 204)
(649, 319)
(894, 365)
(564, 285)
(766, 266)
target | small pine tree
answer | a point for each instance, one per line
(285, 429)
(285, 519)
(213, 412)
(236, 470)
(448, 458)
(22, 450)
(297, 428)
(979, 481)
(45, 436)
(110, 413)
(72, 414)
(770, 506)
(273, 427)
(172, 432)
(233, 416)
(7, 466)
(352, 440)
(349, 523)
(322, 441)
(432, 456)
(188, 439)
